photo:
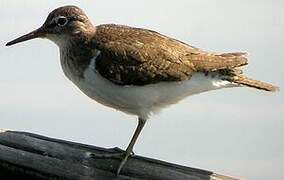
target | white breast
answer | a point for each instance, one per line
(144, 100)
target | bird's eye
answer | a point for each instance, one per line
(61, 21)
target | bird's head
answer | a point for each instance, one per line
(61, 24)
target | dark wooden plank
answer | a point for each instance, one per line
(25, 154)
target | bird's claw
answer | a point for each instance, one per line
(124, 155)
(118, 155)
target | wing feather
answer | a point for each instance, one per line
(135, 56)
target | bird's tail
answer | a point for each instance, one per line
(245, 81)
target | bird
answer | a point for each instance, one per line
(136, 70)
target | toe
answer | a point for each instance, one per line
(107, 155)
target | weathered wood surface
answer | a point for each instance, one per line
(29, 156)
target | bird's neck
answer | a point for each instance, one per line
(75, 57)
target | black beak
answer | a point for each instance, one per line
(32, 35)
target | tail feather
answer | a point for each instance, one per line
(243, 80)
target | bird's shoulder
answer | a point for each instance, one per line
(123, 39)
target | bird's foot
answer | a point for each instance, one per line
(123, 161)
(118, 155)
(123, 155)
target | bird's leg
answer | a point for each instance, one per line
(129, 150)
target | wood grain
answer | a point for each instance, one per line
(29, 156)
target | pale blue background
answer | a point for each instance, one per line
(237, 132)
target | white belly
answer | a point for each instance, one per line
(144, 100)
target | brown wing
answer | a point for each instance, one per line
(134, 56)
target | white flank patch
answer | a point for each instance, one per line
(220, 83)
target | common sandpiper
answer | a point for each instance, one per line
(135, 70)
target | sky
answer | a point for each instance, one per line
(237, 132)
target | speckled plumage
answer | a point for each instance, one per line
(135, 70)
(135, 56)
